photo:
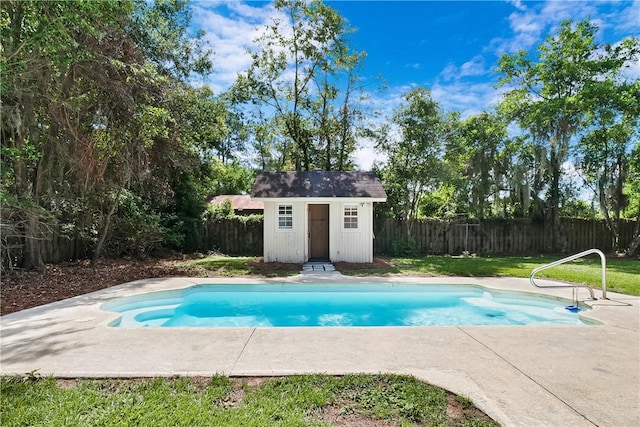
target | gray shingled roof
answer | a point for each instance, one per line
(318, 184)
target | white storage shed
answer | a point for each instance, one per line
(318, 215)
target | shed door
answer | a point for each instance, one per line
(319, 232)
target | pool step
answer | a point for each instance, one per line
(315, 266)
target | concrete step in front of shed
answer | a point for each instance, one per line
(317, 267)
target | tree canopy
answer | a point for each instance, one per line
(574, 90)
(107, 140)
(303, 78)
(88, 118)
(575, 108)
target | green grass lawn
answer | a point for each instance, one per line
(311, 400)
(623, 275)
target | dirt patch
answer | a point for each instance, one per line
(66, 383)
(333, 415)
(460, 409)
(241, 387)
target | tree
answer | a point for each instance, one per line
(162, 32)
(302, 65)
(605, 149)
(56, 63)
(84, 118)
(633, 188)
(476, 156)
(548, 99)
(230, 178)
(415, 164)
(207, 124)
(336, 123)
(268, 145)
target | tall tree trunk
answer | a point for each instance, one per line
(31, 256)
(324, 133)
(619, 200)
(345, 125)
(559, 239)
(612, 224)
(107, 225)
(632, 250)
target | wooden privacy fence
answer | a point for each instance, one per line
(59, 248)
(236, 236)
(56, 248)
(233, 236)
(518, 236)
(501, 237)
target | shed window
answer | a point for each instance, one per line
(350, 216)
(285, 217)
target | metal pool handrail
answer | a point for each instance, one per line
(571, 258)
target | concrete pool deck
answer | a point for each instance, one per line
(518, 375)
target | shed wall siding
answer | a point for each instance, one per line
(351, 245)
(284, 245)
(292, 246)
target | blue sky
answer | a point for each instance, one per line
(450, 47)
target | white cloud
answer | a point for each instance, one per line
(467, 98)
(386, 101)
(629, 18)
(366, 155)
(518, 4)
(530, 26)
(244, 10)
(449, 72)
(474, 67)
(525, 23)
(554, 12)
(231, 28)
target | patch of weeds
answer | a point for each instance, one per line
(394, 397)
(32, 375)
(464, 401)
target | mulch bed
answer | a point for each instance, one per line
(25, 289)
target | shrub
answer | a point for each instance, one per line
(405, 247)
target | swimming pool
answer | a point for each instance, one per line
(338, 305)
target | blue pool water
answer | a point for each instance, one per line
(338, 305)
